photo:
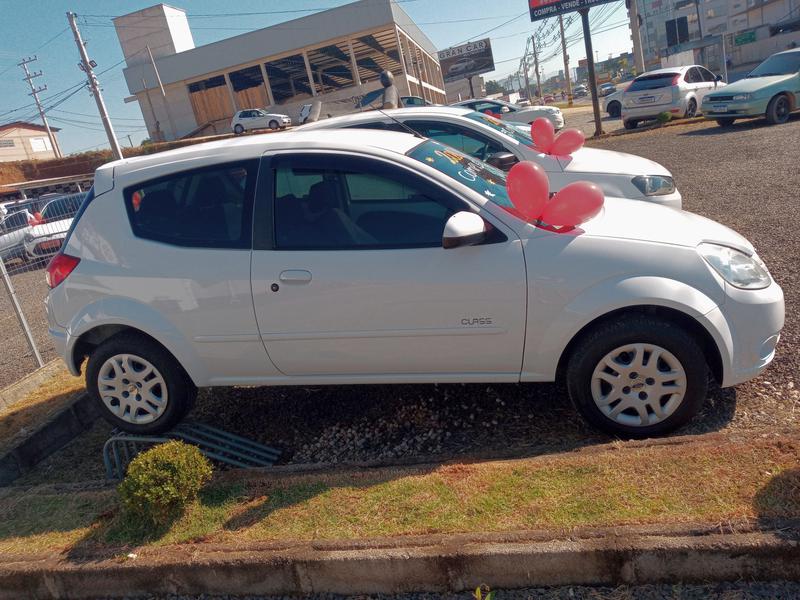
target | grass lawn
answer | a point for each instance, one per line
(715, 480)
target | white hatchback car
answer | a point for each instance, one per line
(313, 258)
(255, 118)
(503, 144)
(514, 112)
(49, 227)
(678, 91)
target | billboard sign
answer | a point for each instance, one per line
(466, 60)
(542, 9)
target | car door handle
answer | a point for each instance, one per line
(295, 276)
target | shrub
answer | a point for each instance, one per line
(162, 481)
(664, 117)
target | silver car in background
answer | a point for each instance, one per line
(678, 91)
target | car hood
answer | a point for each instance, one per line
(595, 160)
(645, 221)
(748, 86)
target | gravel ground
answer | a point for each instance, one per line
(773, 590)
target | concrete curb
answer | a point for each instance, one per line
(60, 429)
(454, 563)
(17, 391)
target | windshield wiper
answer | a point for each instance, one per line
(763, 75)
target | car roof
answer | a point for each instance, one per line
(253, 146)
(666, 70)
(790, 51)
(405, 113)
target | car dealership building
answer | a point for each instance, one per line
(333, 56)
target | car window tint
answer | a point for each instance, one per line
(15, 221)
(460, 138)
(203, 208)
(651, 82)
(371, 206)
(693, 76)
(707, 75)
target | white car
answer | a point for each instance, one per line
(503, 144)
(462, 65)
(678, 91)
(315, 258)
(255, 118)
(515, 113)
(612, 104)
(50, 226)
(13, 227)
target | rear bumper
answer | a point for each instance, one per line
(647, 112)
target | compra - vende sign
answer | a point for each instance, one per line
(542, 9)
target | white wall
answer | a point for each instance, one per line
(27, 144)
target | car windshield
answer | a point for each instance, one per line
(652, 82)
(521, 134)
(475, 174)
(778, 64)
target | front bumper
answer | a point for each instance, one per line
(714, 110)
(750, 323)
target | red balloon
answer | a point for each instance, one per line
(574, 204)
(543, 134)
(567, 142)
(529, 188)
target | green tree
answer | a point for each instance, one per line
(493, 87)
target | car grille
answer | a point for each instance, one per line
(721, 98)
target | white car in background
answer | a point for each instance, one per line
(255, 118)
(678, 91)
(13, 227)
(382, 257)
(612, 104)
(462, 65)
(50, 226)
(504, 144)
(515, 113)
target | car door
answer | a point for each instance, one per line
(349, 276)
(694, 82)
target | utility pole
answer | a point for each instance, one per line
(87, 67)
(699, 19)
(29, 77)
(587, 40)
(527, 79)
(536, 66)
(636, 36)
(566, 59)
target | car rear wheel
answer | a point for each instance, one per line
(727, 122)
(238, 129)
(779, 109)
(614, 109)
(691, 109)
(638, 377)
(273, 124)
(139, 387)
(631, 124)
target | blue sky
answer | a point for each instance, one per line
(41, 28)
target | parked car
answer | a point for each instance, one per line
(312, 258)
(255, 118)
(606, 89)
(580, 91)
(462, 65)
(414, 101)
(514, 113)
(13, 227)
(678, 91)
(772, 90)
(503, 144)
(50, 226)
(612, 104)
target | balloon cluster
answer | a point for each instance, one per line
(529, 190)
(546, 141)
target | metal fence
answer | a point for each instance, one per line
(31, 232)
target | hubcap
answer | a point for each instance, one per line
(132, 389)
(638, 384)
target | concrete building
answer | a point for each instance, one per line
(333, 56)
(752, 30)
(25, 141)
(459, 90)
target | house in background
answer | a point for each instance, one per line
(25, 141)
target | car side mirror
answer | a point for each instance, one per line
(505, 109)
(463, 229)
(718, 78)
(502, 160)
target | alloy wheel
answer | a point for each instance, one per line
(132, 389)
(638, 385)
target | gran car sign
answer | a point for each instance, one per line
(542, 9)
(466, 60)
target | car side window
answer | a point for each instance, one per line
(707, 75)
(347, 203)
(208, 208)
(693, 76)
(460, 138)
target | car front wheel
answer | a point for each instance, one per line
(779, 110)
(638, 377)
(273, 125)
(138, 385)
(238, 129)
(691, 109)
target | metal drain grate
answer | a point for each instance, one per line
(218, 445)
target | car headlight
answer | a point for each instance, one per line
(741, 97)
(654, 185)
(736, 267)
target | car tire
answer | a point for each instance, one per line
(726, 122)
(631, 124)
(273, 125)
(614, 110)
(691, 109)
(126, 360)
(681, 366)
(779, 109)
(238, 129)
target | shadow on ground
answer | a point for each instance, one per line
(738, 127)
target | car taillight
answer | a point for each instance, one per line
(676, 79)
(59, 268)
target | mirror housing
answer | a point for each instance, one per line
(505, 109)
(463, 229)
(718, 78)
(502, 160)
